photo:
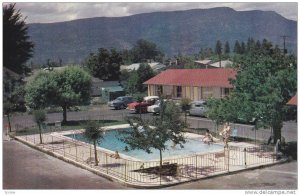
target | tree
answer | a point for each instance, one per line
(17, 47)
(145, 73)
(137, 77)
(131, 86)
(218, 50)
(146, 135)
(145, 50)
(68, 87)
(265, 81)
(237, 47)
(39, 117)
(243, 48)
(227, 48)
(105, 64)
(93, 133)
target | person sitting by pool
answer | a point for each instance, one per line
(116, 155)
(208, 138)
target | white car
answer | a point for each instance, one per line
(155, 109)
(198, 108)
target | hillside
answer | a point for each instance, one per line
(177, 31)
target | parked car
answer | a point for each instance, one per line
(121, 102)
(142, 106)
(155, 108)
(198, 108)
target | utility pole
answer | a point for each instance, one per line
(284, 37)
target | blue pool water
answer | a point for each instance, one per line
(111, 142)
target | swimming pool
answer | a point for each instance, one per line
(111, 142)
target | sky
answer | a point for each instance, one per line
(39, 12)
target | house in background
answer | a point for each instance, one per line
(156, 66)
(196, 84)
(209, 64)
(224, 64)
(111, 93)
(202, 63)
(98, 86)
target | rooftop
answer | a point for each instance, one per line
(218, 77)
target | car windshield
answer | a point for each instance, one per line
(119, 98)
(157, 102)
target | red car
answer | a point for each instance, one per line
(142, 106)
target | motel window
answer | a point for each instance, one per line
(178, 91)
(226, 91)
(158, 90)
(207, 92)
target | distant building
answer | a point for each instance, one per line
(202, 63)
(156, 66)
(99, 85)
(224, 64)
(111, 93)
(196, 84)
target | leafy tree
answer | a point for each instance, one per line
(137, 77)
(265, 81)
(145, 50)
(145, 73)
(40, 91)
(68, 87)
(131, 86)
(218, 50)
(93, 133)
(39, 117)
(105, 64)
(146, 135)
(17, 47)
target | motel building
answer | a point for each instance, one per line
(195, 84)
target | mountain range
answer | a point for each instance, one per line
(174, 32)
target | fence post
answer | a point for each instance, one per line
(76, 150)
(106, 163)
(245, 154)
(125, 171)
(52, 143)
(228, 162)
(64, 146)
(196, 167)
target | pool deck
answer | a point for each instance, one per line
(124, 168)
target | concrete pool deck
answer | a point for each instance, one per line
(124, 170)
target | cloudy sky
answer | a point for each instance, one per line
(39, 12)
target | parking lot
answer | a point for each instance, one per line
(103, 112)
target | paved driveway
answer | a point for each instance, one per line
(26, 168)
(283, 176)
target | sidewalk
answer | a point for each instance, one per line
(27, 168)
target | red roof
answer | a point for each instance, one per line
(215, 77)
(293, 101)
